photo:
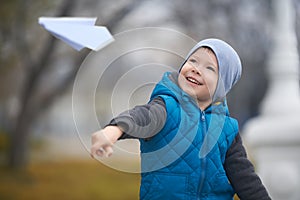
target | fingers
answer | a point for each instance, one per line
(105, 151)
(101, 146)
(100, 150)
(108, 151)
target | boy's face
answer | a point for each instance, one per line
(199, 76)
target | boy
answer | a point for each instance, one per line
(190, 146)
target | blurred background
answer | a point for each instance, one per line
(41, 156)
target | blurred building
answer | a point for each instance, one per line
(274, 136)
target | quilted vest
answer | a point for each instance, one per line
(185, 159)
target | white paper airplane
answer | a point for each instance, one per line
(78, 32)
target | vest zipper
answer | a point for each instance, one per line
(203, 160)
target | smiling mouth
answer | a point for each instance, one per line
(194, 81)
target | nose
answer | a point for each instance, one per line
(197, 71)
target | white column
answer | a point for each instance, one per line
(273, 138)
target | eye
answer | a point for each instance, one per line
(192, 60)
(211, 68)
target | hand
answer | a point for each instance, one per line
(103, 140)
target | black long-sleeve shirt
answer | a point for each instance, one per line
(147, 120)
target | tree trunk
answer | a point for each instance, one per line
(30, 107)
(19, 149)
(19, 141)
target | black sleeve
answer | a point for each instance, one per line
(142, 121)
(241, 174)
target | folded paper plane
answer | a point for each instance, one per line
(78, 32)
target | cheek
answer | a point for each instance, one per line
(181, 79)
(186, 67)
(212, 84)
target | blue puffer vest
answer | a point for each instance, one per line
(185, 159)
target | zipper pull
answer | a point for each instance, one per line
(203, 116)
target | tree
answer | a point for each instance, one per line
(31, 101)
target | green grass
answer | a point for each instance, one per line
(68, 180)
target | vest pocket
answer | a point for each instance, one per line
(222, 184)
(164, 186)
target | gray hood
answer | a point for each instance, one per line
(230, 67)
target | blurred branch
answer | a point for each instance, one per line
(50, 96)
(19, 140)
(111, 23)
(35, 69)
(121, 13)
(21, 43)
(31, 107)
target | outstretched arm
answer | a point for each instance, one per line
(140, 122)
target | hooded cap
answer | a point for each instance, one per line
(230, 67)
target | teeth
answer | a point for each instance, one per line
(193, 80)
